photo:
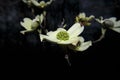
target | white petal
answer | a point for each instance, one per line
(54, 33)
(49, 2)
(81, 39)
(41, 18)
(61, 29)
(113, 19)
(116, 29)
(42, 4)
(27, 23)
(36, 18)
(24, 31)
(72, 41)
(35, 2)
(50, 33)
(75, 30)
(49, 38)
(99, 20)
(117, 24)
(84, 46)
(82, 15)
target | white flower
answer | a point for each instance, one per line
(31, 25)
(83, 16)
(110, 23)
(62, 36)
(28, 2)
(81, 45)
(41, 4)
(116, 26)
(83, 19)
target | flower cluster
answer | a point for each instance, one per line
(41, 4)
(72, 37)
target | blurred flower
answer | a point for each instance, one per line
(31, 25)
(110, 23)
(40, 4)
(28, 2)
(83, 19)
(61, 36)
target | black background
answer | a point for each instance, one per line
(25, 53)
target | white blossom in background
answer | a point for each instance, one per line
(41, 4)
(83, 19)
(36, 3)
(110, 23)
(31, 25)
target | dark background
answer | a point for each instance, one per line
(28, 53)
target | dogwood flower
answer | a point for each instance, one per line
(31, 25)
(110, 23)
(62, 36)
(81, 45)
(83, 19)
(41, 4)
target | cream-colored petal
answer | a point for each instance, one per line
(99, 21)
(84, 46)
(36, 18)
(116, 29)
(80, 39)
(75, 30)
(27, 23)
(117, 24)
(27, 1)
(41, 18)
(90, 17)
(61, 29)
(72, 41)
(53, 33)
(82, 15)
(50, 33)
(48, 38)
(34, 2)
(24, 31)
(113, 19)
(42, 4)
(49, 2)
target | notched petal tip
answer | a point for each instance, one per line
(84, 46)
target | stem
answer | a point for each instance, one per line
(67, 58)
(103, 31)
(66, 55)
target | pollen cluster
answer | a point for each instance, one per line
(62, 35)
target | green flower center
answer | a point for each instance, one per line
(63, 35)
